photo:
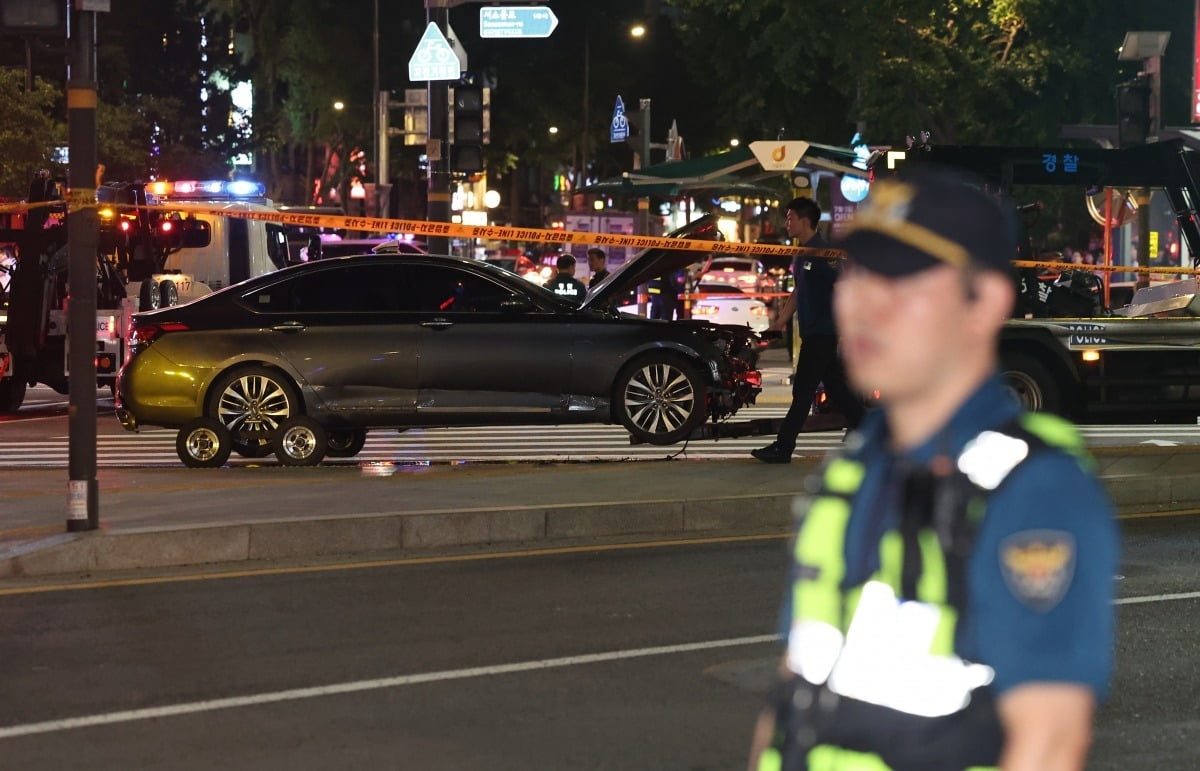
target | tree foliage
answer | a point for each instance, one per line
(28, 130)
(969, 71)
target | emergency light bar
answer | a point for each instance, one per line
(238, 188)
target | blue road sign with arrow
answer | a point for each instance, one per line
(618, 130)
(516, 21)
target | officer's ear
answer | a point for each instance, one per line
(991, 295)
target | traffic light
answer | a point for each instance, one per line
(1133, 112)
(467, 130)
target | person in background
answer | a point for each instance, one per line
(564, 284)
(951, 598)
(598, 265)
(818, 362)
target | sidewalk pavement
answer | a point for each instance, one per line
(165, 517)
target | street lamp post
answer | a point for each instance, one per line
(637, 32)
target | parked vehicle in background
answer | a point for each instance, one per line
(727, 304)
(348, 246)
(305, 361)
(746, 273)
(160, 243)
(298, 236)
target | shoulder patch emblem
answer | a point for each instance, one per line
(1038, 566)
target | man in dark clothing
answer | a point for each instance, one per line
(818, 361)
(598, 265)
(564, 284)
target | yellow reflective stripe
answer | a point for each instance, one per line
(931, 586)
(770, 760)
(826, 757)
(1052, 429)
(943, 637)
(819, 546)
(891, 560)
(1059, 433)
(852, 598)
(844, 476)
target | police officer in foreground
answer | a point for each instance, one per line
(950, 604)
(564, 284)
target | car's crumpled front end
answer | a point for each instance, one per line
(736, 372)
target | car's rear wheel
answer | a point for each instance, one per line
(346, 443)
(253, 402)
(1033, 385)
(661, 399)
(301, 441)
(168, 294)
(149, 296)
(203, 443)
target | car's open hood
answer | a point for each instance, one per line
(654, 262)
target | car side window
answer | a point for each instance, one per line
(344, 289)
(440, 289)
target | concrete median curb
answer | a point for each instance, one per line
(132, 549)
(1153, 479)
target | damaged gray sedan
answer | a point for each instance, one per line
(304, 361)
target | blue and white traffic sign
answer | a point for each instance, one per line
(517, 21)
(434, 59)
(618, 130)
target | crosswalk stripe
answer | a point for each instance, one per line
(156, 446)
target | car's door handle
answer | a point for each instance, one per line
(289, 326)
(437, 324)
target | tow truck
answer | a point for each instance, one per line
(160, 243)
(1139, 361)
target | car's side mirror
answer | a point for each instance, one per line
(516, 305)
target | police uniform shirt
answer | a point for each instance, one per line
(568, 288)
(814, 278)
(1041, 573)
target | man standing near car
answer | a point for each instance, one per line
(598, 265)
(951, 588)
(564, 284)
(817, 362)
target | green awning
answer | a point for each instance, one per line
(726, 172)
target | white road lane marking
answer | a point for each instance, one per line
(1157, 598)
(188, 708)
(296, 694)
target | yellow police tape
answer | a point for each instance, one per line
(539, 235)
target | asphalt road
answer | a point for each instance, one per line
(617, 658)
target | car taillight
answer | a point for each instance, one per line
(144, 334)
(704, 310)
(758, 310)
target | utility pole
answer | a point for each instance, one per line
(379, 153)
(642, 160)
(83, 509)
(437, 147)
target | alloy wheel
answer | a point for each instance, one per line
(660, 398)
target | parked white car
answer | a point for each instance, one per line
(728, 304)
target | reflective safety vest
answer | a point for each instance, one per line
(875, 671)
